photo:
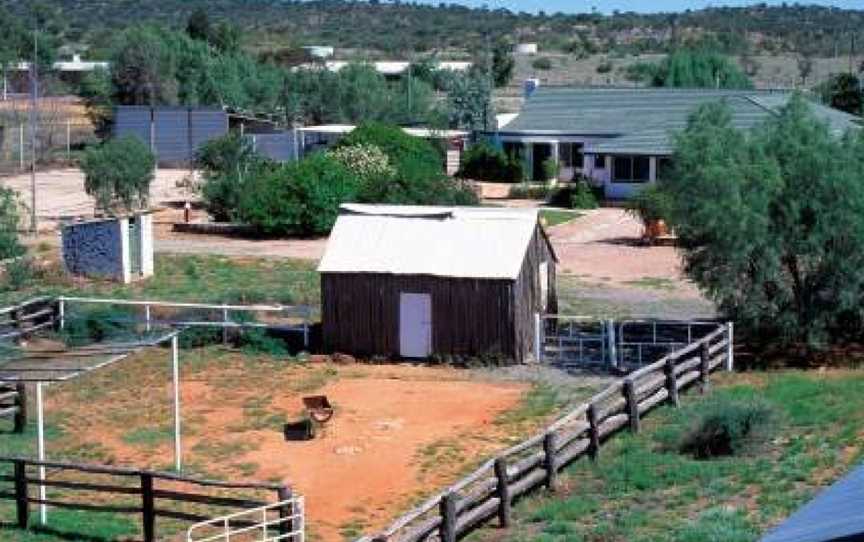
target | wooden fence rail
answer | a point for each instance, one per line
(27, 317)
(129, 491)
(13, 404)
(490, 490)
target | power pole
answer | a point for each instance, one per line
(34, 93)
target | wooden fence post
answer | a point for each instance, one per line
(448, 518)
(704, 367)
(22, 503)
(632, 404)
(284, 493)
(671, 382)
(593, 432)
(148, 507)
(21, 403)
(549, 462)
(503, 493)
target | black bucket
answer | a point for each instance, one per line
(302, 430)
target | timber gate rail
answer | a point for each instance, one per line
(147, 494)
(490, 490)
(13, 404)
(27, 317)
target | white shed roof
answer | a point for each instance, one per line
(462, 242)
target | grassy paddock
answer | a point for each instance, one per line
(642, 489)
(205, 279)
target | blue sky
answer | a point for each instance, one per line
(607, 6)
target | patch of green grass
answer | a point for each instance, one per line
(148, 436)
(654, 283)
(74, 525)
(352, 529)
(193, 278)
(554, 217)
(538, 402)
(641, 489)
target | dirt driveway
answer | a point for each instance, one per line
(60, 193)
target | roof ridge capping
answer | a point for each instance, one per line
(439, 212)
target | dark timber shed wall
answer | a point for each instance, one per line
(470, 317)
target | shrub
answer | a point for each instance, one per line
(576, 195)
(365, 160)
(650, 204)
(604, 67)
(542, 63)
(411, 156)
(10, 218)
(16, 274)
(725, 426)
(484, 162)
(227, 162)
(550, 168)
(98, 325)
(530, 191)
(118, 173)
(300, 198)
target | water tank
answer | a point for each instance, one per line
(526, 49)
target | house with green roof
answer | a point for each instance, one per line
(622, 138)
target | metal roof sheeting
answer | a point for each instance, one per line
(641, 121)
(461, 242)
(835, 514)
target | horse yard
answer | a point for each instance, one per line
(399, 431)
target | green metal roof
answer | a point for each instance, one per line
(641, 120)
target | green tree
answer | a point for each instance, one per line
(469, 98)
(844, 92)
(10, 220)
(226, 164)
(771, 222)
(118, 173)
(692, 68)
(503, 63)
(198, 25)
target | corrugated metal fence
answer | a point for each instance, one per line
(176, 133)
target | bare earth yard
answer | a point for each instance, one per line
(399, 431)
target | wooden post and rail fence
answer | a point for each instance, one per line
(490, 490)
(13, 404)
(133, 492)
(28, 317)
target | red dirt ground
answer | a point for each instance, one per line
(399, 431)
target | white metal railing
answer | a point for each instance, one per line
(299, 311)
(256, 524)
(581, 340)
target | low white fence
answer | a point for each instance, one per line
(255, 524)
(288, 318)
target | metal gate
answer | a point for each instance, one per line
(574, 342)
(284, 521)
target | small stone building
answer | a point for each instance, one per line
(417, 281)
(120, 248)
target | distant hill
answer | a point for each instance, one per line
(400, 29)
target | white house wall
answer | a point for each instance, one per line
(146, 244)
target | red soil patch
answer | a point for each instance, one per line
(399, 431)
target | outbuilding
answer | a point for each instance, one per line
(427, 281)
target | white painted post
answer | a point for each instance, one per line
(61, 312)
(40, 452)
(224, 324)
(613, 354)
(21, 145)
(175, 367)
(306, 317)
(147, 318)
(538, 338)
(68, 139)
(730, 360)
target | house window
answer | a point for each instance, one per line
(599, 161)
(513, 149)
(631, 169)
(570, 155)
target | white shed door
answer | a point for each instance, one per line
(415, 325)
